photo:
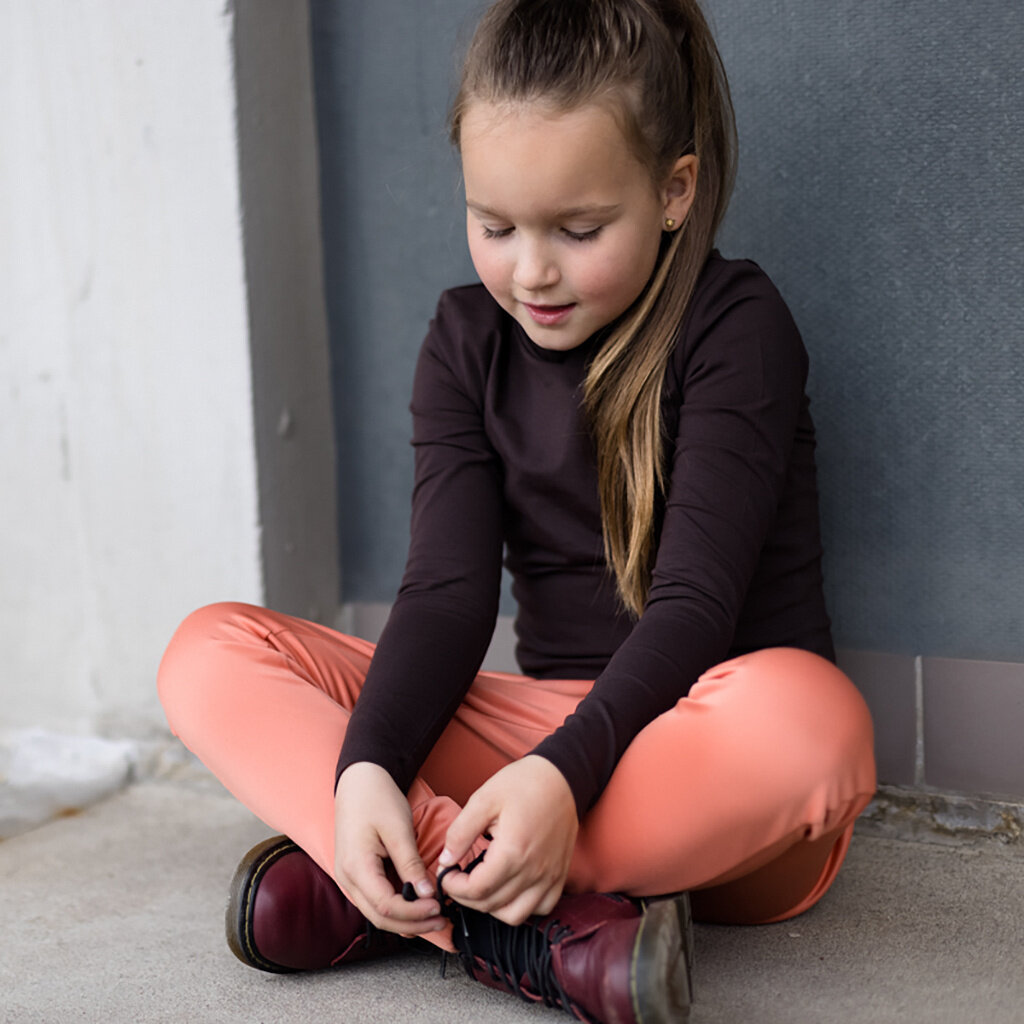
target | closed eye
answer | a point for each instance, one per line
(582, 236)
(576, 236)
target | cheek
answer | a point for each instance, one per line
(603, 280)
(487, 263)
(620, 277)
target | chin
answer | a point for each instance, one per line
(553, 341)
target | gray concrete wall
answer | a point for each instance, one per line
(882, 185)
(393, 239)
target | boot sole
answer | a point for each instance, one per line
(238, 918)
(661, 972)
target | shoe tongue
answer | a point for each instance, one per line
(474, 934)
(517, 951)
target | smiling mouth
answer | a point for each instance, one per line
(549, 315)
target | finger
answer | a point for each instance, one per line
(405, 858)
(375, 897)
(535, 900)
(502, 884)
(391, 916)
(549, 900)
(539, 900)
(497, 893)
(519, 909)
(484, 882)
(479, 898)
(470, 823)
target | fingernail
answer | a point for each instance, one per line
(439, 927)
(424, 888)
(446, 859)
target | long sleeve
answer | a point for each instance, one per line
(444, 615)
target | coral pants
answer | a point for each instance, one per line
(745, 791)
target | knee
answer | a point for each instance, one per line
(183, 667)
(832, 718)
(792, 677)
(806, 702)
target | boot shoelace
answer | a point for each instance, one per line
(510, 952)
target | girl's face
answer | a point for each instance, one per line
(564, 222)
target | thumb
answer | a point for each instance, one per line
(470, 823)
(406, 860)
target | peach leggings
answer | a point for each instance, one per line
(746, 790)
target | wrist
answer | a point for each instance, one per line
(580, 793)
(363, 773)
(553, 777)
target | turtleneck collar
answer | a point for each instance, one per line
(550, 355)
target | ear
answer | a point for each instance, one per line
(680, 188)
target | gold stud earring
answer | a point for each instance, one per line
(669, 223)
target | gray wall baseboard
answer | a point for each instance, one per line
(944, 819)
(954, 725)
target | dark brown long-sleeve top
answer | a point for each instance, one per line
(504, 464)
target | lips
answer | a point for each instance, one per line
(548, 316)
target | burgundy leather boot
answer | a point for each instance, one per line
(286, 914)
(601, 958)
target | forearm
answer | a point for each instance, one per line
(426, 660)
(644, 679)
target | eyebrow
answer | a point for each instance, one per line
(572, 211)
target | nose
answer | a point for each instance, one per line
(535, 268)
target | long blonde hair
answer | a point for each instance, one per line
(657, 62)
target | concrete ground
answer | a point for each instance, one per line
(115, 914)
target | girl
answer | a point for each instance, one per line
(622, 412)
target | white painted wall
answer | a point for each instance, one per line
(127, 460)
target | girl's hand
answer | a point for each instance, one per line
(529, 811)
(373, 824)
